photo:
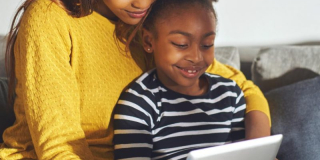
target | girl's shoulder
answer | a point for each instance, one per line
(146, 82)
(217, 81)
(217, 78)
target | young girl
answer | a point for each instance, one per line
(68, 70)
(177, 107)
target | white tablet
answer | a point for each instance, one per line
(265, 148)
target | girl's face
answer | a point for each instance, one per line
(129, 11)
(183, 48)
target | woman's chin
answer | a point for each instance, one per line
(131, 21)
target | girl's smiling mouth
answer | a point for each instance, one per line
(190, 72)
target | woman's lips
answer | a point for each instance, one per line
(139, 14)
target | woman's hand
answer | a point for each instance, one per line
(256, 125)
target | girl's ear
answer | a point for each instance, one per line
(147, 41)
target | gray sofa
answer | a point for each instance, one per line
(6, 113)
(288, 75)
(289, 78)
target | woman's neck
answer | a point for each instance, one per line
(104, 10)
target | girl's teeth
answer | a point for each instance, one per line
(191, 71)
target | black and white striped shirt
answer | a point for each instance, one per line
(154, 122)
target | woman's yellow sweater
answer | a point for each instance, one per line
(70, 74)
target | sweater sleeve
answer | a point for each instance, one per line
(47, 86)
(254, 98)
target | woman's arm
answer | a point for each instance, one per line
(47, 93)
(257, 125)
(257, 119)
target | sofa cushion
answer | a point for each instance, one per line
(2, 51)
(279, 66)
(6, 113)
(229, 56)
(295, 111)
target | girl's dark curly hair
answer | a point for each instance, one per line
(161, 10)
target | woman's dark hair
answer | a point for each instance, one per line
(76, 8)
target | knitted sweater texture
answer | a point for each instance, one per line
(70, 73)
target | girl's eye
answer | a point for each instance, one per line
(207, 46)
(180, 45)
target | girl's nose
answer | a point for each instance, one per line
(195, 55)
(142, 4)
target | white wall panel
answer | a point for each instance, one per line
(244, 22)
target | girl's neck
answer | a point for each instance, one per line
(198, 89)
(104, 10)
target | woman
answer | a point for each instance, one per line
(69, 73)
